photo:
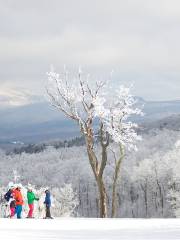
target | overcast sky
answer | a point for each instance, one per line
(138, 39)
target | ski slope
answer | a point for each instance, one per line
(80, 228)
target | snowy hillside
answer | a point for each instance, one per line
(171, 122)
(106, 229)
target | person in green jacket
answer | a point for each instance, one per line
(31, 197)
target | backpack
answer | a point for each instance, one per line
(7, 196)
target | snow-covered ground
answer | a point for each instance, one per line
(78, 228)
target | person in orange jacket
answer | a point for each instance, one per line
(19, 200)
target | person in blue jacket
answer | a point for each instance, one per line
(47, 202)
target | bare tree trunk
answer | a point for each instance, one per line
(115, 179)
(102, 198)
(160, 193)
(145, 188)
(98, 170)
(100, 184)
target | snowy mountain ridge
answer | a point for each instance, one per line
(29, 118)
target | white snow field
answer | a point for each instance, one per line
(80, 228)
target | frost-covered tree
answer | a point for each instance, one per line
(16, 176)
(157, 177)
(173, 195)
(102, 115)
(65, 201)
(4, 209)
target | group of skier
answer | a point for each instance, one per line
(14, 200)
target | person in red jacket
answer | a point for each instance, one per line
(19, 200)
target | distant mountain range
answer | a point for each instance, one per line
(33, 120)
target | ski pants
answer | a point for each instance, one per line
(18, 211)
(12, 210)
(48, 213)
(31, 209)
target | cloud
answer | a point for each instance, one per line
(139, 39)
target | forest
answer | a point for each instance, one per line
(148, 184)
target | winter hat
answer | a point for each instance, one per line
(29, 187)
(19, 185)
(47, 190)
(10, 185)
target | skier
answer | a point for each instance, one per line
(47, 202)
(19, 200)
(9, 196)
(31, 197)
